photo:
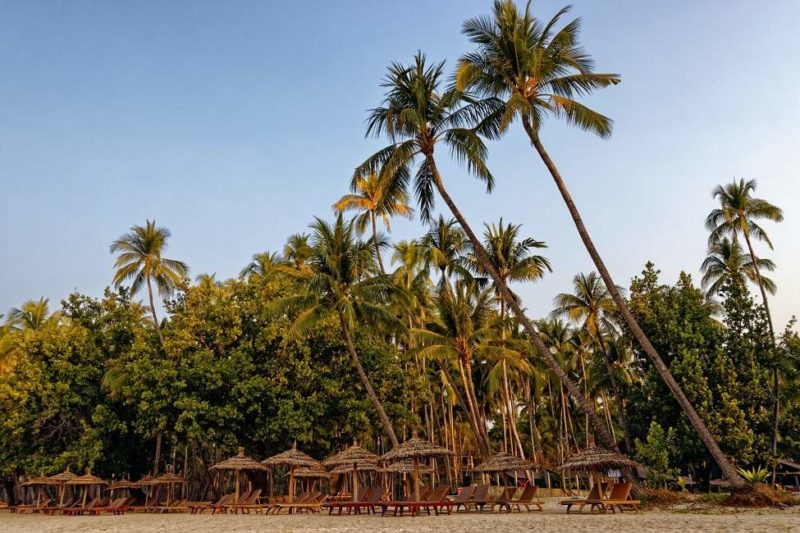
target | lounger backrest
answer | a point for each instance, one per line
(595, 493)
(438, 494)
(507, 494)
(254, 497)
(465, 495)
(529, 493)
(481, 493)
(375, 497)
(620, 491)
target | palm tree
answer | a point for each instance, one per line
(463, 331)
(140, 260)
(592, 306)
(262, 266)
(444, 243)
(538, 70)
(737, 214)
(375, 197)
(296, 251)
(338, 282)
(513, 260)
(417, 117)
(726, 260)
(33, 315)
(412, 276)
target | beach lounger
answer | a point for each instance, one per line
(437, 501)
(504, 499)
(199, 507)
(527, 499)
(245, 505)
(464, 497)
(408, 502)
(480, 499)
(79, 510)
(370, 497)
(619, 498)
(310, 503)
(597, 492)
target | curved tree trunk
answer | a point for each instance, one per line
(728, 470)
(375, 242)
(600, 429)
(480, 424)
(387, 424)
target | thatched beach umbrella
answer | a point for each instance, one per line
(415, 449)
(351, 458)
(59, 480)
(170, 480)
(503, 462)
(293, 459)
(237, 463)
(87, 480)
(595, 459)
(40, 482)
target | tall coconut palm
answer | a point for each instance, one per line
(375, 197)
(338, 282)
(463, 331)
(417, 118)
(591, 306)
(538, 70)
(412, 276)
(725, 259)
(140, 260)
(738, 214)
(513, 260)
(262, 266)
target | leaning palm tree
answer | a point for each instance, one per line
(514, 260)
(417, 118)
(591, 306)
(726, 260)
(738, 214)
(538, 70)
(140, 260)
(338, 282)
(375, 197)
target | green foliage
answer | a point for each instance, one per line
(655, 454)
(755, 475)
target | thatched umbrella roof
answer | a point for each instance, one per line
(360, 465)
(354, 454)
(316, 473)
(502, 462)
(596, 459)
(124, 484)
(238, 462)
(414, 448)
(86, 479)
(404, 467)
(167, 479)
(38, 480)
(293, 458)
(63, 477)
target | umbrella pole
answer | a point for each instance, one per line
(416, 479)
(85, 490)
(355, 482)
(236, 491)
(291, 484)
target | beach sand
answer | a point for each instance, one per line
(553, 519)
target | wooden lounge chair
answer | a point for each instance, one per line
(408, 502)
(527, 499)
(222, 508)
(504, 500)
(464, 497)
(370, 497)
(199, 507)
(247, 504)
(79, 510)
(480, 499)
(438, 501)
(311, 502)
(619, 498)
(35, 507)
(597, 492)
(58, 508)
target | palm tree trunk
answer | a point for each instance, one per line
(508, 297)
(375, 242)
(623, 419)
(776, 373)
(728, 470)
(153, 311)
(157, 459)
(387, 424)
(479, 426)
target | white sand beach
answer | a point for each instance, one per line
(553, 519)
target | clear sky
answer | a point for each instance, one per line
(233, 123)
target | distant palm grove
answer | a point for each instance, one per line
(346, 335)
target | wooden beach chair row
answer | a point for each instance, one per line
(619, 498)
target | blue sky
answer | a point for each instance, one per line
(234, 123)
